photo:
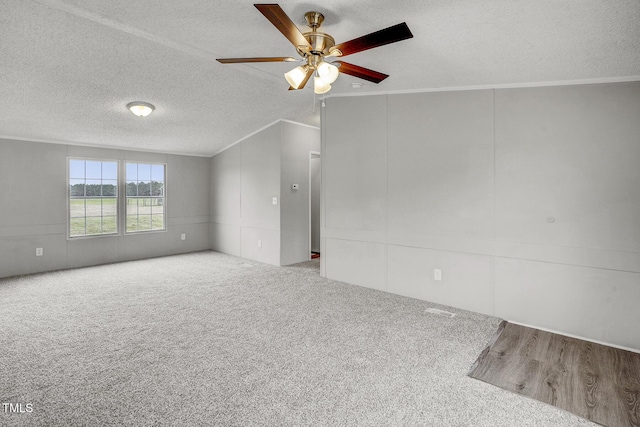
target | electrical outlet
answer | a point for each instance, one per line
(437, 274)
(274, 200)
(183, 236)
(39, 252)
(259, 243)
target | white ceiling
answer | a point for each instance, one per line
(69, 67)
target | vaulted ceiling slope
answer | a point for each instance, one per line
(69, 67)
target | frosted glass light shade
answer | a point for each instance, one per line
(328, 72)
(296, 76)
(320, 86)
(140, 109)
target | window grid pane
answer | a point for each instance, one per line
(145, 199)
(145, 214)
(93, 197)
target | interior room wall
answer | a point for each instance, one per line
(244, 180)
(225, 200)
(34, 209)
(259, 184)
(296, 144)
(316, 188)
(526, 199)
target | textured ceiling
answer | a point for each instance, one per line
(69, 67)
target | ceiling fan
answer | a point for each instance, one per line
(314, 46)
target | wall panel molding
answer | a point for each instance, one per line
(521, 193)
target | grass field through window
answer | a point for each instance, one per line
(93, 197)
(93, 216)
(145, 197)
(145, 214)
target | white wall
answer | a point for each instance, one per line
(528, 200)
(244, 180)
(296, 143)
(316, 187)
(222, 202)
(259, 183)
(33, 209)
(226, 169)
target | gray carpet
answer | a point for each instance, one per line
(211, 339)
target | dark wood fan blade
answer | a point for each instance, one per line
(361, 72)
(304, 82)
(379, 38)
(283, 23)
(265, 59)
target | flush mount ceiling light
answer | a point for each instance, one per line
(140, 109)
(314, 46)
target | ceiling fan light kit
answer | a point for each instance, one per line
(296, 76)
(314, 46)
(328, 72)
(320, 86)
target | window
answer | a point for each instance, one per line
(96, 206)
(145, 197)
(93, 197)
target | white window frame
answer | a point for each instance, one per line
(121, 198)
(68, 193)
(125, 198)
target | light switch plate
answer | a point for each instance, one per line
(274, 200)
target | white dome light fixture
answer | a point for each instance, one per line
(140, 109)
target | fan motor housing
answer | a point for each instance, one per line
(320, 43)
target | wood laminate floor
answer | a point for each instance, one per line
(594, 381)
